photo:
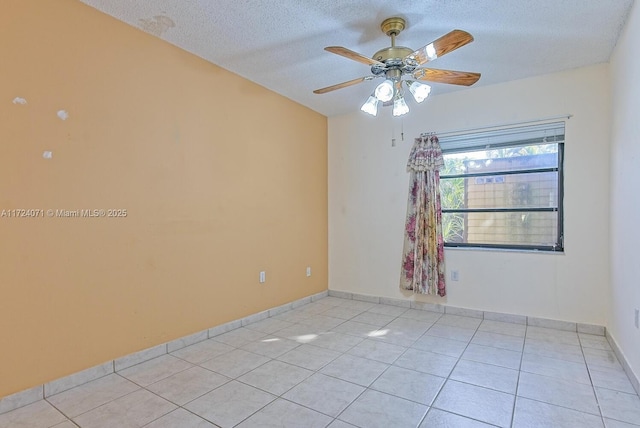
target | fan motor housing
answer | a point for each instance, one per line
(393, 58)
(394, 52)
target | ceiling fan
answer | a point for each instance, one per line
(400, 64)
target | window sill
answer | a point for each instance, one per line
(504, 250)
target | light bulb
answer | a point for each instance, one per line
(400, 106)
(384, 91)
(371, 106)
(420, 91)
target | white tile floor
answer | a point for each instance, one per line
(344, 363)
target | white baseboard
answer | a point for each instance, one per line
(39, 392)
(475, 313)
(635, 379)
(31, 395)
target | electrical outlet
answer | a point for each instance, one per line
(263, 277)
(637, 318)
(455, 275)
(308, 270)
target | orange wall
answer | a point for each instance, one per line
(220, 178)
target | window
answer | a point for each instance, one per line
(504, 189)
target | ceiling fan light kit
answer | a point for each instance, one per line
(420, 91)
(395, 62)
(371, 106)
(384, 91)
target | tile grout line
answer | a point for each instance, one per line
(593, 387)
(367, 388)
(431, 406)
(515, 398)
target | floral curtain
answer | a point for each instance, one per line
(423, 254)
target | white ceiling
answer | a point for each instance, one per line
(279, 43)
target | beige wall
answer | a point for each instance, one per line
(368, 188)
(625, 203)
(220, 178)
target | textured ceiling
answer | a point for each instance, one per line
(279, 43)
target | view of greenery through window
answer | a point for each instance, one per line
(502, 197)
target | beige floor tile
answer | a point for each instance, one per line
(422, 316)
(611, 423)
(486, 375)
(325, 394)
(309, 357)
(408, 327)
(154, 370)
(230, 404)
(180, 418)
(474, 402)
(497, 340)
(426, 362)
(65, 424)
(285, 414)
(203, 351)
(409, 384)
(37, 415)
(239, 337)
(459, 321)
(440, 345)
(134, 410)
(336, 341)
(378, 351)
(269, 325)
(554, 350)
(510, 329)
(393, 311)
(619, 406)
(83, 398)
(553, 336)
(187, 385)
(375, 409)
(601, 358)
(451, 332)
(235, 363)
(611, 379)
(342, 312)
(593, 341)
(559, 392)
(535, 414)
(271, 346)
(377, 320)
(358, 370)
(340, 424)
(355, 328)
(275, 377)
(491, 355)
(438, 418)
(561, 369)
(323, 322)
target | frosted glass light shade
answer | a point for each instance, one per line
(384, 91)
(400, 107)
(420, 91)
(371, 106)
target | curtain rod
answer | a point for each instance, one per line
(458, 131)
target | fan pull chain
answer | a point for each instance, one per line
(393, 133)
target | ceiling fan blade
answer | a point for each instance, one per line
(445, 44)
(342, 85)
(464, 78)
(348, 53)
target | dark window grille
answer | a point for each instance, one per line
(504, 189)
